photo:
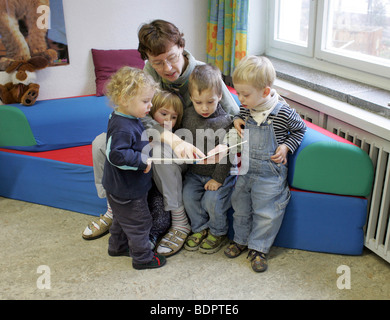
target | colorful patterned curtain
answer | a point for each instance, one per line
(227, 26)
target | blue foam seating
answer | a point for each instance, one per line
(315, 221)
(57, 123)
(328, 163)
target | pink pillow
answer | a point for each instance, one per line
(107, 62)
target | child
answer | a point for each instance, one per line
(272, 129)
(127, 177)
(207, 187)
(99, 227)
(166, 108)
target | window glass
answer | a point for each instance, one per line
(347, 38)
(359, 29)
(293, 21)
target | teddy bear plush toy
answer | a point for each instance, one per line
(22, 87)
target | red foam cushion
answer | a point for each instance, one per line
(232, 90)
(77, 155)
(327, 133)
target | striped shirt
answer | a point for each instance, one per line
(288, 125)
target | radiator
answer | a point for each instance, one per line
(377, 228)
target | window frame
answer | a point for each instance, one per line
(317, 57)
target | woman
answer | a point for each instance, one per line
(162, 45)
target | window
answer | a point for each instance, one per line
(292, 25)
(345, 37)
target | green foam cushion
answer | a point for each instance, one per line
(333, 167)
(14, 128)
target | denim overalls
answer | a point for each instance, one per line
(261, 193)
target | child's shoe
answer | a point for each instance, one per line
(234, 250)
(194, 241)
(152, 242)
(258, 260)
(172, 242)
(157, 262)
(212, 243)
(98, 228)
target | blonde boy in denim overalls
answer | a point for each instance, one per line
(272, 129)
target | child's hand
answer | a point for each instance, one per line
(212, 185)
(239, 125)
(220, 152)
(181, 148)
(280, 155)
(187, 150)
(149, 166)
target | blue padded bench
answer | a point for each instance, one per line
(53, 124)
(329, 178)
(62, 179)
(321, 216)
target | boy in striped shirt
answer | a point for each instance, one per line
(272, 130)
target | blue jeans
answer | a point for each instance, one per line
(259, 203)
(261, 195)
(207, 209)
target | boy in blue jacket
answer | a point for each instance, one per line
(127, 175)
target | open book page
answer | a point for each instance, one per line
(193, 160)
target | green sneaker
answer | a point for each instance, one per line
(212, 244)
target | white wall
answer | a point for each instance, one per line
(257, 26)
(113, 24)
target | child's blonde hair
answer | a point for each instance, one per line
(203, 77)
(126, 83)
(166, 98)
(256, 71)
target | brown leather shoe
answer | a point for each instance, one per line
(258, 261)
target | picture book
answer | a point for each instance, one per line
(194, 160)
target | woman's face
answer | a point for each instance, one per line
(169, 65)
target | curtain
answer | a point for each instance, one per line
(227, 26)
